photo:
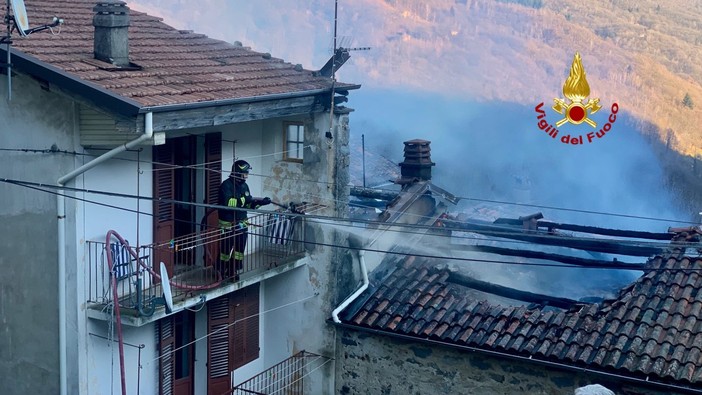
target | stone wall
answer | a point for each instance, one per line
(374, 364)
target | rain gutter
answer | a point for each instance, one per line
(98, 95)
(240, 100)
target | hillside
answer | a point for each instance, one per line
(644, 55)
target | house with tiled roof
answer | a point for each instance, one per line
(425, 324)
(116, 132)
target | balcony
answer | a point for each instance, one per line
(286, 377)
(275, 245)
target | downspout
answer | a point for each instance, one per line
(359, 291)
(356, 243)
(61, 235)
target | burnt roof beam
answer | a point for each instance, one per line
(617, 247)
(510, 293)
(570, 260)
(590, 229)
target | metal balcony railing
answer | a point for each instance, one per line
(286, 377)
(191, 261)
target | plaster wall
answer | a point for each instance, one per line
(103, 359)
(35, 119)
(298, 303)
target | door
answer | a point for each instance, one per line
(178, 177)
(176, 334)
(184, 353)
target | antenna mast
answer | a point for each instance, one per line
(16, 19)
(8, 40)
(333, 75)
(339, 56)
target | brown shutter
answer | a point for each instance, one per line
(164, 213)
(231, 348)
(251, 345)
(166, 336)
(219, 326)
(246, 313)
(213, 160)
(213, 178)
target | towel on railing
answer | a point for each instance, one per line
(121, 261)
(279, 228)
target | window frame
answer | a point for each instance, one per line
(300, 143)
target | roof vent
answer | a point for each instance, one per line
(417, 163)
(111, 23)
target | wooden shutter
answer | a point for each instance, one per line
(213, 160)
(219, 326)
(246, 314)
(164, 212)
(231, 348)
(213, 178)
(166, 336)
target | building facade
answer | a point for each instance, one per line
(111, 167)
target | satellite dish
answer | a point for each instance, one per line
(166, 285)
(20, 15)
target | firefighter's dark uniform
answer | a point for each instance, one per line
(234, 192)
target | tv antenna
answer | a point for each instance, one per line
(16, 19)
(339, 56)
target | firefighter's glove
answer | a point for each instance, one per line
(241, 225)
(266, 200)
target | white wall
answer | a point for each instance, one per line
(125, 176)
(248, 146)
(103, 359)
(282, 325)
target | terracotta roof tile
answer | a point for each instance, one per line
(192, 62)
(651, 328)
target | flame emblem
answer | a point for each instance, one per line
(576, 89)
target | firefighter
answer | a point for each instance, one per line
(234, 192)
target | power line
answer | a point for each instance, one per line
(202, 166)
(440, 257)
(388, 226)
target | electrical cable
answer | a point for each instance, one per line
(533, 264)
(32, 185)
(202, 166)
(483, 200)
(325, 218)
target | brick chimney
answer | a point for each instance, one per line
(111, 23)
(417, 163)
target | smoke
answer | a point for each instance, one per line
(496, 151)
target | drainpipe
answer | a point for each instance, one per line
(61, 233)
(359, 291)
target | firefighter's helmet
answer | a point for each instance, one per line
(240, 167)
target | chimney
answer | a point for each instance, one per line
(111, 23)
(417, 163)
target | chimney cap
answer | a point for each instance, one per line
(418, 141)
(111, 7)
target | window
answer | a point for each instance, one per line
(294, 136)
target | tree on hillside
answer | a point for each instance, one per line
(687, 101)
